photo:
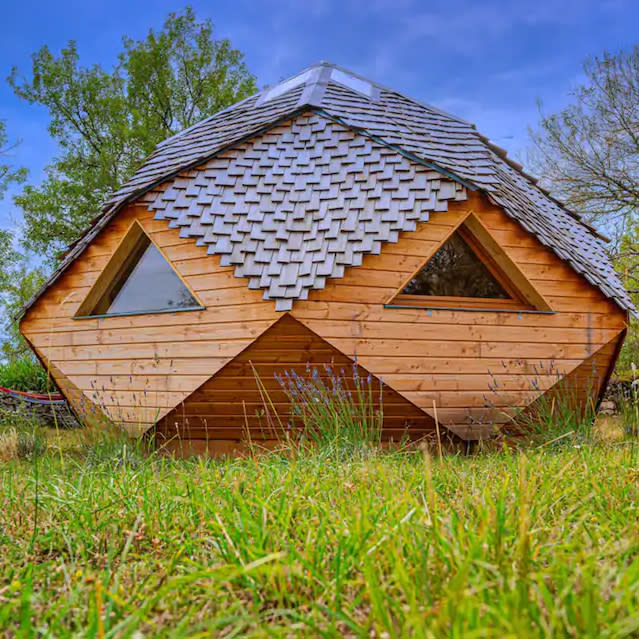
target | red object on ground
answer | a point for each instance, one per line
(37, 398)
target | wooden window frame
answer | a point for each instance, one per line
(524, 297)
(116, 268)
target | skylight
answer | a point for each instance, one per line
(313, 78)
(287, 85)
(352, 82)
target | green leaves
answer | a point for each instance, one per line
(8, 172)
(107, 121)
(19, 285)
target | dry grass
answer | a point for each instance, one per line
(9, 445)
(608, 429)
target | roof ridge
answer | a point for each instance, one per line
(383, 87)
(316, 95)
(407, 154)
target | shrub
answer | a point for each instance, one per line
(25, 374)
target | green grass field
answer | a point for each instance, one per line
(100, 541)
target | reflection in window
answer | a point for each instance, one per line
(455, 271)
(145, 283)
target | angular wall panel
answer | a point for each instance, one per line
(245, 398)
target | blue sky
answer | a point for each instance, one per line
(487, 61)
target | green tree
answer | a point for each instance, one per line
(107, 121)
(8, 172)
(18, 290)
(588, 156)
(13, 267)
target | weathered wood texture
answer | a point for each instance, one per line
(139, 368)
(246, 401)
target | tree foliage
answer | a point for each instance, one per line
(17, 291)
(588, 153)
(12, 264)
(588, 156)
(107, 121)
(8, 172)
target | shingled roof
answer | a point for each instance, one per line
(298, 204)
(287, 205)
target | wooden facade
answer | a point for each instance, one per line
(249, 399)
(477, 366)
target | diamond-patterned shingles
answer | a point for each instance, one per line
(426, 134)
(298, 204)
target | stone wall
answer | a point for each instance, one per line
(616, 394)
(45, 415)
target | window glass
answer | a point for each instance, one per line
(455, 271)
(146, 282)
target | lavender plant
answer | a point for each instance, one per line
(334, 410)
(558, 412)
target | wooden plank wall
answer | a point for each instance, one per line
(245, 396)
(138, 368)
(476, 365)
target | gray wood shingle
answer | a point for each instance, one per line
(368, 160)
(294, 247)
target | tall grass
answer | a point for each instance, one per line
(102, 539)
(544, 544)
(336, 412)
(560, 413)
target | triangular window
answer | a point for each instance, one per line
(138, 280)
(470, 270)
(455, 271)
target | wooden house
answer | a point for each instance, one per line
(328, 219)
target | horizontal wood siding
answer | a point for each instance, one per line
(246, 400)
(477, 366)
(136, 368)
